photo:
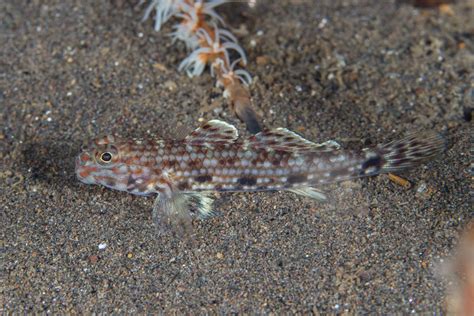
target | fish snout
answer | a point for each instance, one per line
(82, 170)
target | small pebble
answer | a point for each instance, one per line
(170, 85)
(102, 246)
(323, 23)
(421, 188)
(160, 67)
(262, 60)
(93, 259)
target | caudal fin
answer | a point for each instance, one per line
(408, 152)
(390, 157)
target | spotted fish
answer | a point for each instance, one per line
(183, 172)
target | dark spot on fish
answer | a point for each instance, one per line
(183, 185)
(263, 155)
(338, 172)
(194, 163)
(372, 162)
(203, 178)
(297, 178)
(247, 181)
(172, 163)
(218, 187)
(130, 183)
(229, 161)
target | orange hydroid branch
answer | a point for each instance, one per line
(199, 27)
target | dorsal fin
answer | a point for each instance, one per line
(286, 140)
(212, 132)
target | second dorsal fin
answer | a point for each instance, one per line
(212, 132)
(286, 140)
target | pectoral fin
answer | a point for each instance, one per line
(171, 212)
(174, 211)
(202, 203)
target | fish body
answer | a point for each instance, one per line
(214, 158)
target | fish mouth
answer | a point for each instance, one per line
(83, 173)
(78, 163)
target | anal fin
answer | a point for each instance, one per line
(310, 192)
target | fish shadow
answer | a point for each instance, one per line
(49, 162)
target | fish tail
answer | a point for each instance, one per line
(403, 154)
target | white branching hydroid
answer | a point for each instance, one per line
(199, 27)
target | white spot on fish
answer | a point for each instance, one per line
(121, 186)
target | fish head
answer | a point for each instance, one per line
(100, 162)
(118, 164)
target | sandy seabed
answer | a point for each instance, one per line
(359, 72)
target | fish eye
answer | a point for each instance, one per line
(106, 157)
